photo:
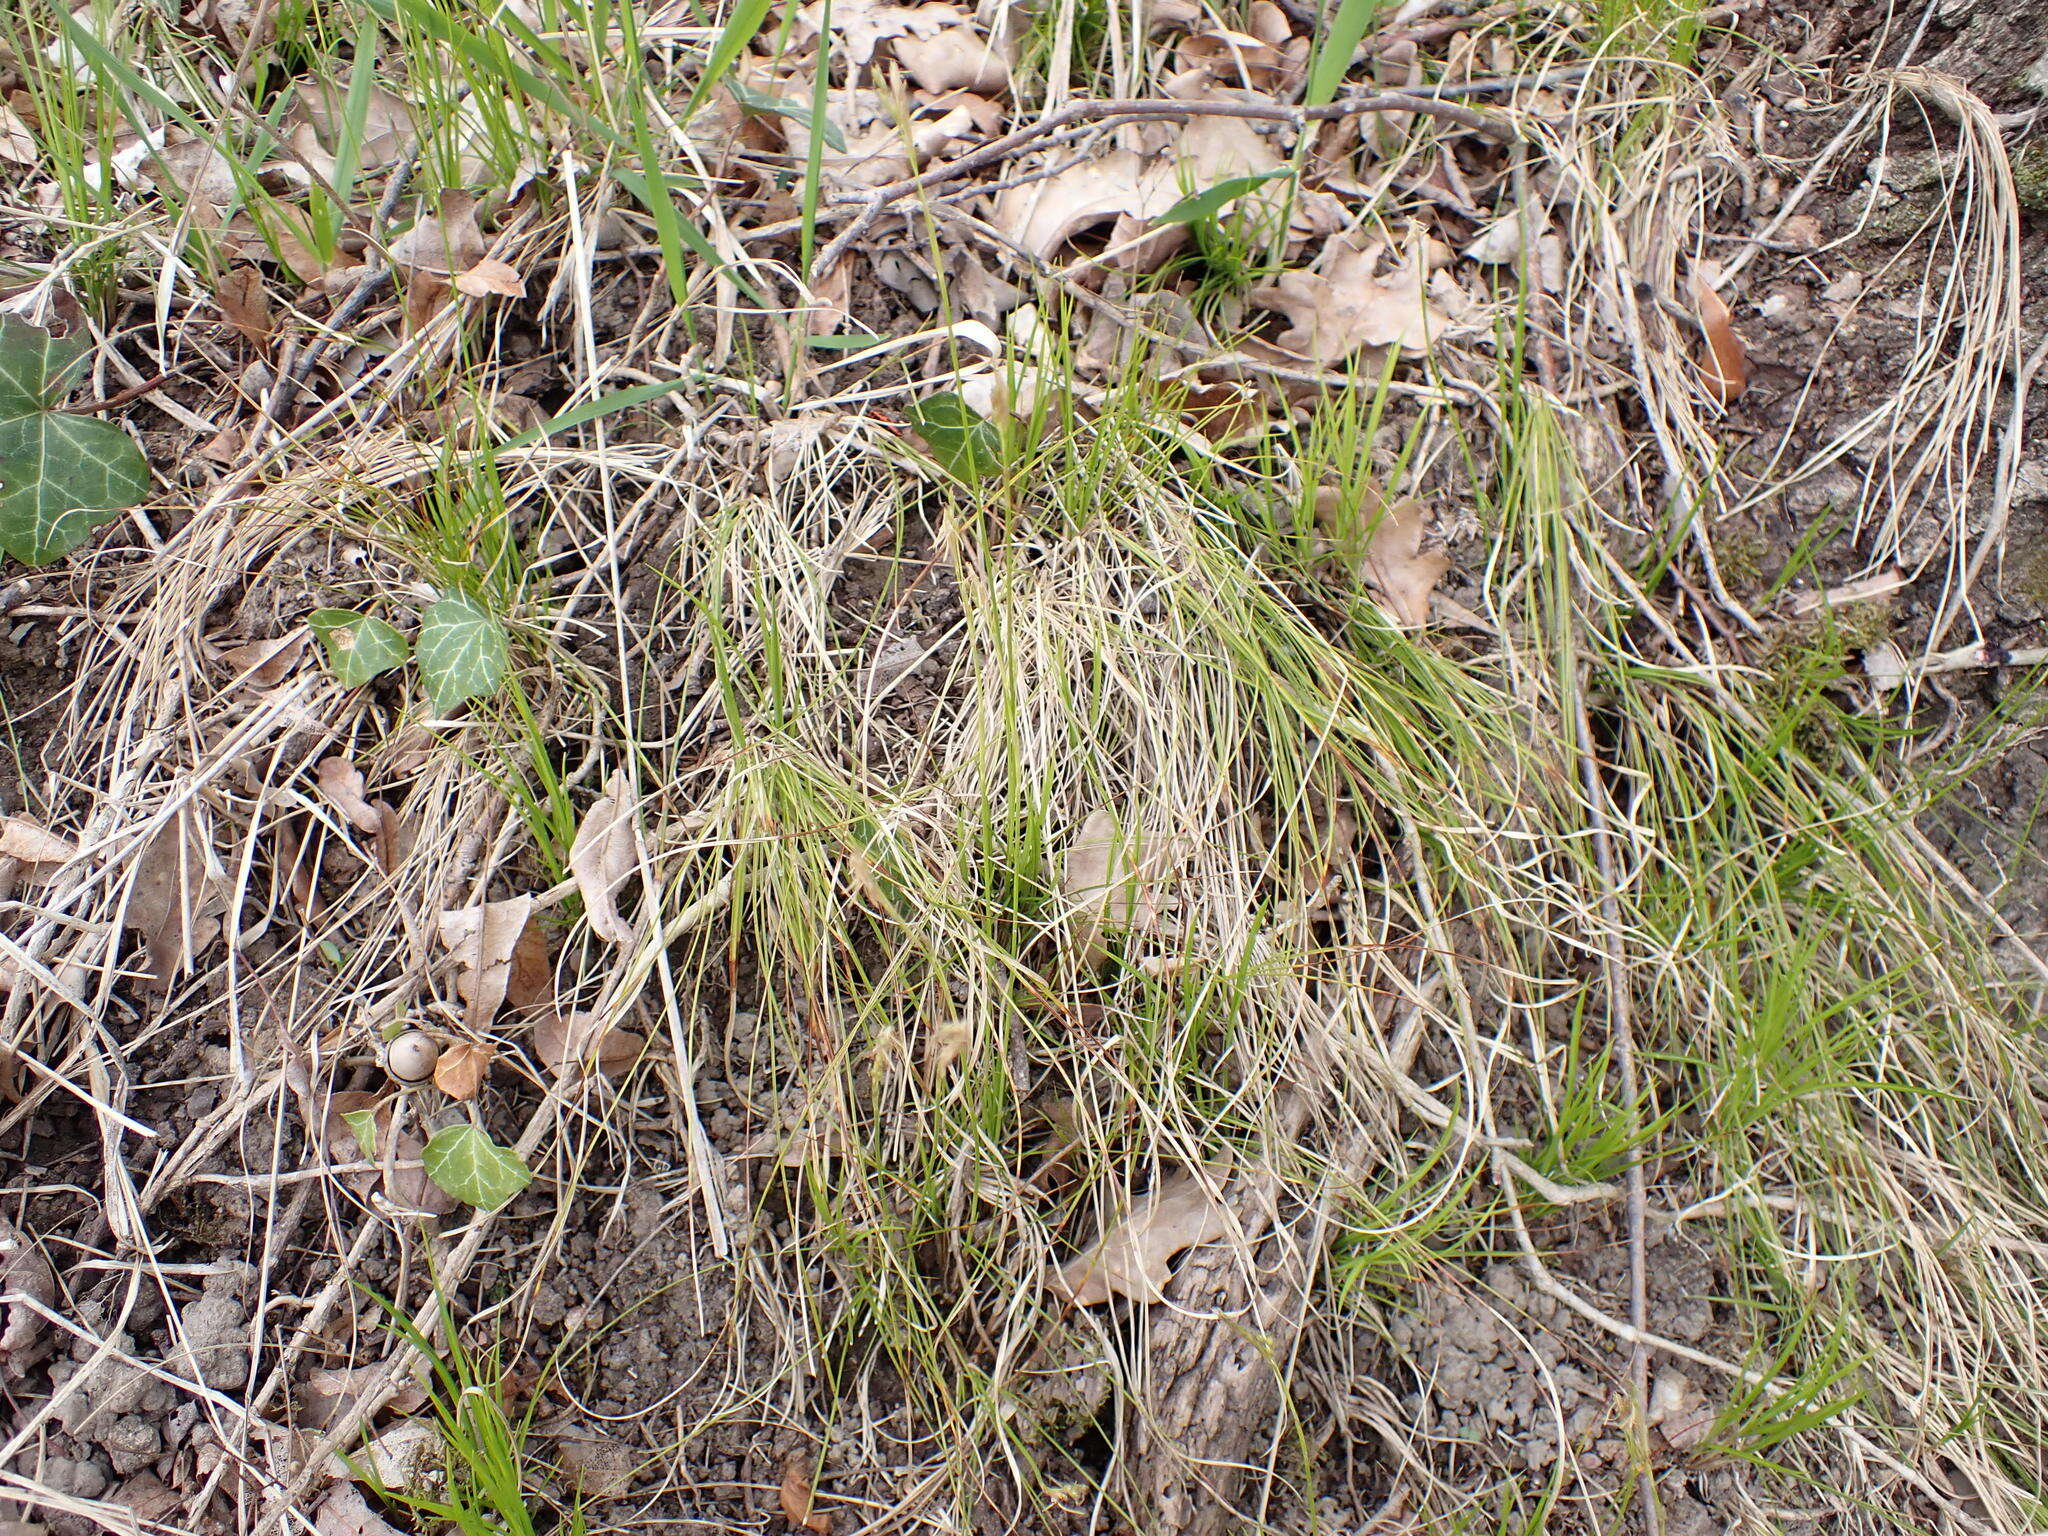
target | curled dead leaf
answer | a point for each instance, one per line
(244, 303)
(1382, 542)
(584, 1037)
(23, 839)
(1113, 879)
(482, 939)
(1133, 1256)
(461, 1069)
(341, 786)
(1347, 305)
(1724, 369)
(606, 851)
(799, 1498)
(266, 663)
(387, 133)
(489, 276)
(177, 899)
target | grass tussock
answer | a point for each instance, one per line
(1436, 946)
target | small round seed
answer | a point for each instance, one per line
(411, 1056)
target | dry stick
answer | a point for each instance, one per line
(1621, 1035)
(869, 208)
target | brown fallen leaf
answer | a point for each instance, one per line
(325, 1395)
(346, 1512)
(461, 1069)
(597, 1465)
(482, 939)
(17, 144)
(266, 663)
(606, 851)
(244, 303)
(341, 785)
(1132, 1256)
(489, 276)
(23, 839)
(388, 130)
(1381, 541)
(1112, 881)
(176, 901)
(1724, 370)
(1043, 215)
(531, 984)
(583, 1037)
(799, 1496)
(1347, 306)
(938, 45)
(442, 243)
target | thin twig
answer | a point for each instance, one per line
(122, 397)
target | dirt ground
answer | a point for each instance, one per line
(637, 1338)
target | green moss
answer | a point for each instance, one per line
(2030, 175)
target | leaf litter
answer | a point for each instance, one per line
(912, 86)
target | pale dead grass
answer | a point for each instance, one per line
(1381, 883)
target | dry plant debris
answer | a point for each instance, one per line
(912, 743)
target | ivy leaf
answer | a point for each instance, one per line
(964, 442)
(462, 651)
(359, 646)
(363, 1124)
(60, 476)
(467, 1164)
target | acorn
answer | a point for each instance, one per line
(410, 1057)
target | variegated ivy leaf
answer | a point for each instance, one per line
(461, 650)
(60, 476)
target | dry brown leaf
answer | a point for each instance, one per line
(1724, 370)
(583, 1038)
(483, 939)
(244, 303)
(489, 276)
(462, 1069)
(598, 1466)
(17, 144)
(326, 1395)
(341, 786)
(799, 1496)
(23, 839)
(1112, 881)
(176, 903)
(606, 851)
(938, 44)
(389, 131)
(531, 983)
(346, 1512)
(954, 59)
(266, 663)
(1133, 1256)
(1041, 216)
(1382, 543)
(442, 243)
(1347, 306)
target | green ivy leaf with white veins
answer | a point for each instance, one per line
(467, 1164)
(359, 645)
(60, 476)
(462, 651)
